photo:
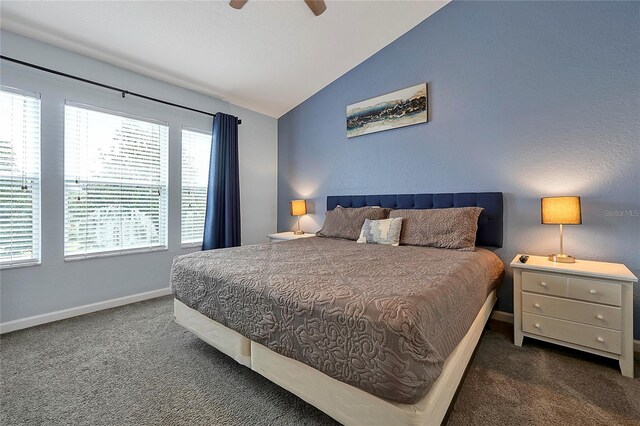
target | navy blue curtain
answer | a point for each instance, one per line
(222, 216)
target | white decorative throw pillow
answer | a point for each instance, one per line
(384, 231)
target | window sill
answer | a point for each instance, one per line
(23, 264)
(191, 245)
(76, 257)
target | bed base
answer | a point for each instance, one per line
(224, 339)
(345, 403)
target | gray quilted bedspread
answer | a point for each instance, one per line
(377, 317)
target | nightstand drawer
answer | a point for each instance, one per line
(595, 291)
(572, 310)
(539, 282)
(568, 331)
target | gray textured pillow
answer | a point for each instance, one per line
(453, 228)
(384, 231)
(346, 223)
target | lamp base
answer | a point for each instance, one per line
(562, 258)
(298, 232)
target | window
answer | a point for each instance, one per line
(115, 171)
(196, 151)
(19, 178)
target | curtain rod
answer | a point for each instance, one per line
(106, 86)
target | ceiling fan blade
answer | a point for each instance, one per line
(237, 4)
(316, 6)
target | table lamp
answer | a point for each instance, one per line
(298, 208)
(561, 211)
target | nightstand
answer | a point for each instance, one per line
(583, 305)
(284, 236)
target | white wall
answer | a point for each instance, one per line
(56, 284)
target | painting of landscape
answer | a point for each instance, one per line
(398, 109)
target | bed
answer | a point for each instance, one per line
(367, 333)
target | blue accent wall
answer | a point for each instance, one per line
(529, 98)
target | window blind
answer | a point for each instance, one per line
(19, 178)
(196, 152)
(115, 183)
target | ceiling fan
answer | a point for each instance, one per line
(316, 6)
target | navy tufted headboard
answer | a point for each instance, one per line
(489, 222)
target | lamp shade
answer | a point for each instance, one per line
(298, 207)
(561, 210)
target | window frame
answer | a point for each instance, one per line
(190, 244)
(36, 242)
(163, 246)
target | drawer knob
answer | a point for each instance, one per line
(600, 339)
(592, 291)
(537, 305)
(543, 284)
(599, 316)
(536, 325)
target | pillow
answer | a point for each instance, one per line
(453, 228)
(346, 223)
(385, 231)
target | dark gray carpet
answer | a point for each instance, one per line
(133, 365)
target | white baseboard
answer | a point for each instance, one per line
(508, 318)
(21, 323)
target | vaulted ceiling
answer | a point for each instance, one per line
(269, 57)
